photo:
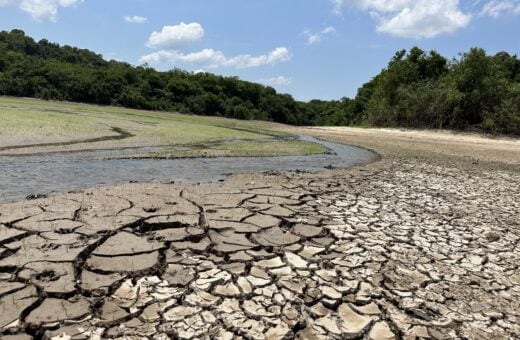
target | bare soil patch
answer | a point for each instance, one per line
(423, 243)
(441, 146)
(401, 248)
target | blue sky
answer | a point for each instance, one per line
(321, 49)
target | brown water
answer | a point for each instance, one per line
(45, 174)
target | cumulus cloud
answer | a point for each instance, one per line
(41, 10)
(373, 5)
(276, 81)
(170, 40)
(496, 9)
(176, 36)
(210, 58)
(135, 19)
(314, 38)
(412, 18)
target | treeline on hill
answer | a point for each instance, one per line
(417, 89)
(49, 71)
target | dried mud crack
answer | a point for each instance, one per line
(392, 250)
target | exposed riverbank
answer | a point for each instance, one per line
(21, 176)
(422, 243)
(443, 147)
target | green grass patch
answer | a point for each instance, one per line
(30, 121)
(42, 124)
(242, 149)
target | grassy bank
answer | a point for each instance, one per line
(29, 126)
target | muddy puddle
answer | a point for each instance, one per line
(46, 174)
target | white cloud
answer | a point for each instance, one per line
(210, 58)
(496, 9)
(175, 36)
(135, 19)
(207, 57)
(276, 56)
(277, 81)
(41, 10)
(314, 38)
(412, 18)
(373, 5)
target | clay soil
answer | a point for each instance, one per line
(423, 243)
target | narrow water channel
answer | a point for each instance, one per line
(50, 173)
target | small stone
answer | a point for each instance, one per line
(476, 260)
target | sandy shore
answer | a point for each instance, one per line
(423, 243)
(441, 146)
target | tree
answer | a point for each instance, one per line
(50, 71)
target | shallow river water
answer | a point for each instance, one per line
(44, 174)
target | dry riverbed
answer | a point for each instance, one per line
(423, 243)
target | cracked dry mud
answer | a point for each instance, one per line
(387, 251)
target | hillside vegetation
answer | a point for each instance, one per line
(426, 90)
(48, 71)
(419, 89)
